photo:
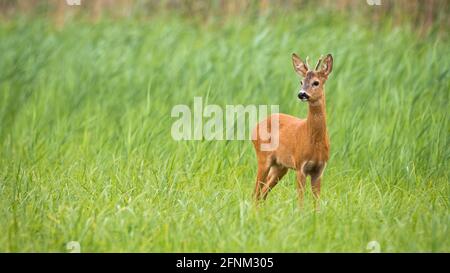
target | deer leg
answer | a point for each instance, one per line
(261, 177)
(275, 175)
(301, 181)
(315, 186)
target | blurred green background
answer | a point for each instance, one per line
(85, 147)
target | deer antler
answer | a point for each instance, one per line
(319, 62)
(307, 62)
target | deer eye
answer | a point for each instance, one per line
(301, 82)
(315, 83)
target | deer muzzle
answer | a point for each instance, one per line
(303, 95)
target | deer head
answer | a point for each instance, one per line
(313, 80)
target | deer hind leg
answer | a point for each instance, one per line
(261, 177)
(275, 175)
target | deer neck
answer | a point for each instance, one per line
(316, 127)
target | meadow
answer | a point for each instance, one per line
(86, 152)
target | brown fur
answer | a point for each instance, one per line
(303, 143)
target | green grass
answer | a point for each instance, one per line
(86, 153)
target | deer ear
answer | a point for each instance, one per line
(327, 66)
(299, 66)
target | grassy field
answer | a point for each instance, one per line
(86, 153)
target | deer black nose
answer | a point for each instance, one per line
(303, 95)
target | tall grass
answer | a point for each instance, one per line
(86, 153)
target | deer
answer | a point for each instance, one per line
(303, 144)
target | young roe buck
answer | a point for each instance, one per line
(303, 143)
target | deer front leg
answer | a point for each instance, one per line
(315, 186)
(261, 178)
(301, 181)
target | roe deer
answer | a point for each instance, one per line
(303, 143)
